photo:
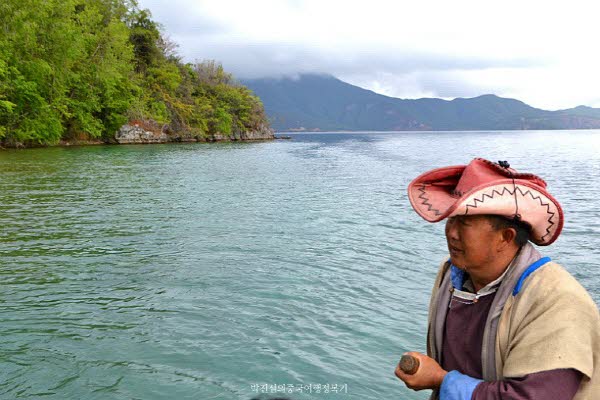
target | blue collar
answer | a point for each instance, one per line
(457, 276)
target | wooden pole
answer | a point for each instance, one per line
(409, 364)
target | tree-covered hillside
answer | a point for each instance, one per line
(79, 69)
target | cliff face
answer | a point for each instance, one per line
(138, 132)
(135, 133)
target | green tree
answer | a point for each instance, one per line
(82, 68)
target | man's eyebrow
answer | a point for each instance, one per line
(463, 219)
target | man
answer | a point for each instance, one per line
(504, 322)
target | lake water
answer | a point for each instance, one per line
(202, 271)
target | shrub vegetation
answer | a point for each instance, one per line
(80, 69)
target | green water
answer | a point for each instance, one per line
(201, 271)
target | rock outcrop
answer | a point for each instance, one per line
(263, 133)
(140, 132)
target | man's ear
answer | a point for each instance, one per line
(508, 237)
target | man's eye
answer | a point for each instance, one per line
(462, 222)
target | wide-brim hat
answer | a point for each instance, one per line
(485, 187)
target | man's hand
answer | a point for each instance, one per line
(429, 375)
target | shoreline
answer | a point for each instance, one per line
(86, 143)
(136, 135)
(292, 132)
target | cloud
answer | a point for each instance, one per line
(540, 52)
(251, 60)
(418, 84)
(180, 17)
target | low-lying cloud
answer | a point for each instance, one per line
(403, 50)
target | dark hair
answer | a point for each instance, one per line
(523, 228)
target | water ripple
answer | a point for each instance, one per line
(195, 271)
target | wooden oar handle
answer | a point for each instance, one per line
(409, 364)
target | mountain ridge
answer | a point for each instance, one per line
(315, 102)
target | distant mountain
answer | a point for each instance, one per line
(325, 103)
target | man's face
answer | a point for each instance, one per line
(472, 241)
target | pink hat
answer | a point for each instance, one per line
(484, 187)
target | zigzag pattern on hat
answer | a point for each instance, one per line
(506, 189)
(426, 201)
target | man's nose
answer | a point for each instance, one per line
(451, 230)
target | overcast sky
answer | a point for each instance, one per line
(544, 53)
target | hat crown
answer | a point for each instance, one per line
(481, 171)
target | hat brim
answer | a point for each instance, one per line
(430, 193)
(433, 198)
